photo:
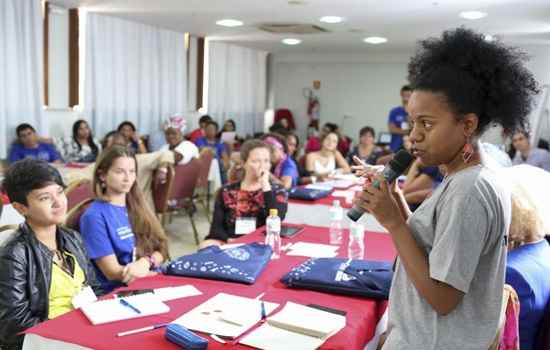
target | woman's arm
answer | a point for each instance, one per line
(125, 273)
(341, 162)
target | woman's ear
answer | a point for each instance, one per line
(21, 208)
(471, 122)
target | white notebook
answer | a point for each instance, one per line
(110, 310)
(295, 327)
(225, 315)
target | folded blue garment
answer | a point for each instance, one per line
(241, 264)
(371, 279)
(183, 337)
(308, 194)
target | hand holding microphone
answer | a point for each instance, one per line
(391, 172)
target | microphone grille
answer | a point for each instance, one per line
(401, 161)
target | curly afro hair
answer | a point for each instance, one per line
(476, 76)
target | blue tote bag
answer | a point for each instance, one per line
(371, 279)
(241, 264)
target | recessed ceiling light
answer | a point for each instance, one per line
(291, 41)
(472, 14)
(489, 37)
(331, 19)
(375, 40)
(228, 22)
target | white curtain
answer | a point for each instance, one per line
(237, 86)
(132, 72)
(21, 69)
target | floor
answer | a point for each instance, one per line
(180, 233)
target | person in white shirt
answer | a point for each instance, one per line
(184, 150)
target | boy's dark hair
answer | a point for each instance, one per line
(27, 175)
(124, 123)
(365, 130)
(23, 126)
(406, 88)
(204, 119)
(476, 76)
(211, 122)
(331, 126)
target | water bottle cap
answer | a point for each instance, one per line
(273, 212)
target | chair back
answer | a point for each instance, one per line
(543, 333)
(78, 191)
(205, 160)
(6, 232)
(161, 191)
(507, 337)
(179, 186)
(72, 220)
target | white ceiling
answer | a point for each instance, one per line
(403, 22)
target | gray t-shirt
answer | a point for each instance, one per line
(463, 229)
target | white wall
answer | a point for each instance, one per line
(356, 90)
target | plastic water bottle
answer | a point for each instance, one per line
(356, 245)
(335, 228)
(273, 233)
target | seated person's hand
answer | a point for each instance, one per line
(136, 269)
(161, 175)
(210, 242)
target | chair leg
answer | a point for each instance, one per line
(195, 232)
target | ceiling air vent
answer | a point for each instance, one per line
(292, 28)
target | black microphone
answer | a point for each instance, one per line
(392, 171)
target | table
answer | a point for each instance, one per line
(362, 314)
(317, 213)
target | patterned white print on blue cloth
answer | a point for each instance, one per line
(371, 279)
(242, 264)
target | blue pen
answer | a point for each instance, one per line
(128, 305)
(263, 312)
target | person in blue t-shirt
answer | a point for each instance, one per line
(285, 169)
(211, 141)
(122, 235)
(27, 146)
(398, 124)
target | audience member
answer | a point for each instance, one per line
(293, 145)
(324, 163)
(199, 132)
(210, 141)
(447, 289)
(420, 182)
(28, 146)
(398, 124)
(184, 150)
(43, 265)
(366, 150)
(121, 233)
(81, 146)
(314, 142)
(525, 154)
(528, 265)
(248, 199)
(284, 168)
(128, 129)
(230, 129)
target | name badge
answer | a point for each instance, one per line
(404, 125)
(84, 297)
(244, 225)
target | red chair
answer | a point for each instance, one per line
(283, 113)
(72, 220)
(203, 185)
(78, 191)
(177, 193)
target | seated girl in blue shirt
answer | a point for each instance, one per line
(122, 235)
(284, 169)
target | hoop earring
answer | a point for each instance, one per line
(467, 151)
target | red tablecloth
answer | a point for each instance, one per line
(362, 314)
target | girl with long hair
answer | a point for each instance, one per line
(81, 146)
(122, 235)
